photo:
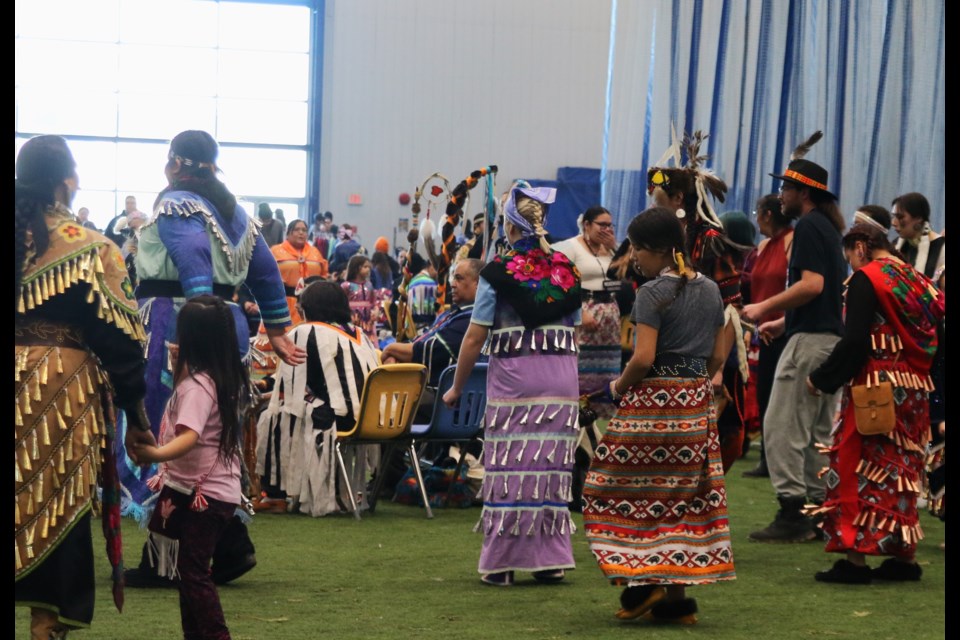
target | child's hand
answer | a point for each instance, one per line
(134, 438)
(146, 452)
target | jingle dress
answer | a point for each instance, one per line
(890, 333)
(531, 303)
(654, 500)
(77, 341)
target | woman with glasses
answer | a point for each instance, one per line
(598, 338)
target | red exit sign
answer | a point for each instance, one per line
(354, 198)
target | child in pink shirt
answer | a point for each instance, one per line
(199, 478)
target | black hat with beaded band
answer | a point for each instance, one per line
(803, 172)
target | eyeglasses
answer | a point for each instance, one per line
(603, 225)
(786, 186)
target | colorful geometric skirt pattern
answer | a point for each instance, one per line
(654, 500)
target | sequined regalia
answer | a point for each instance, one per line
(76, 331)
(189, 249)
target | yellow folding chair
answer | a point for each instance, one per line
(388, 403)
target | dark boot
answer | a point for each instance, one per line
(234, 555)
(897, 570)
(790, 525)
(636, 601)
(674, 612)
(145, 577)
(845, 572)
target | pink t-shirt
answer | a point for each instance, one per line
(193, 405)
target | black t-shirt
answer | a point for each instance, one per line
(817, 247)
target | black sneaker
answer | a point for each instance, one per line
(845, 572)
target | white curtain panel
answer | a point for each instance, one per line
(760, 76)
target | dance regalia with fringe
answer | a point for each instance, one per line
(873, 481)
(654, 500)
(531, 423)
(296, 433)
(76, 327)
(189, 249)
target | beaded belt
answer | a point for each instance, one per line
(673, 365)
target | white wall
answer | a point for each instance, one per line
(417, 86)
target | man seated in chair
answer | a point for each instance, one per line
(438, 347)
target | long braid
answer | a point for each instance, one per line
(533, 212)
(28, 215)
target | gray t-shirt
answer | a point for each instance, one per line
(687, 326)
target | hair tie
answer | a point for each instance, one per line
(678, 258)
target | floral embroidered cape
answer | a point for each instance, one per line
(540, 287)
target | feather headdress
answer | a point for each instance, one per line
(705, 180)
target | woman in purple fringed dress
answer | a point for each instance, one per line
(528, 303)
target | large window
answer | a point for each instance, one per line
(120, 78)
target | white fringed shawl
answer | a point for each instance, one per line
(308, 476)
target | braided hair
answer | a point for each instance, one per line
(534, 212)
(871, 236)
(658, 230)
(207, 339)
(43, 164)
(195, 153)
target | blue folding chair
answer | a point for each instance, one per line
(458, 425)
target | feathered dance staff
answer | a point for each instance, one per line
(454, 211)
(436, 186)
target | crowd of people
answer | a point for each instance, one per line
(210, 328)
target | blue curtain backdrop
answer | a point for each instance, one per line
(760, 76)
